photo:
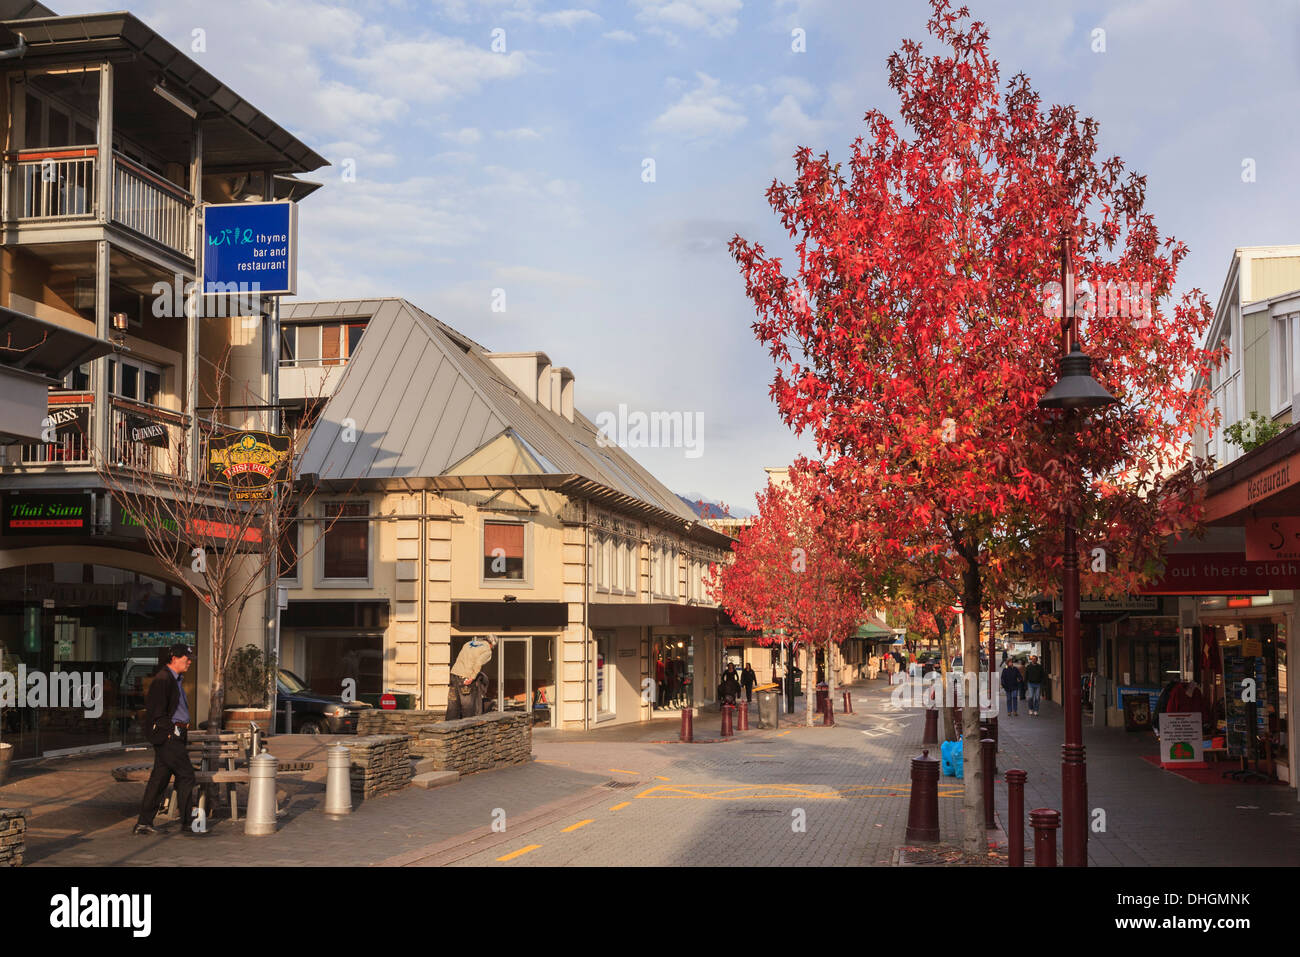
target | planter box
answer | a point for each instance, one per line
(237, 719)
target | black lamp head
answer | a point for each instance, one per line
(1075, 387)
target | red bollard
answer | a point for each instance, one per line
(848, 703)
(931, 735)
(986, 751)
(1044, 821)
(726, 720)
(742, 716)
(1016, 817)
(828, 715)
(923, 805)
(688, 726)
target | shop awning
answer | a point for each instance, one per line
(874, 632)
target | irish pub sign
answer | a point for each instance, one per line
(249, 464)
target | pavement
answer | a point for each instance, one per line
(631, 795)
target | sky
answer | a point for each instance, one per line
(565, 177)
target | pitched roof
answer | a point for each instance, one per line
(422, 397)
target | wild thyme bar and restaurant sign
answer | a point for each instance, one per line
(47, 514)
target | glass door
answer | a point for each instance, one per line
(514, 689)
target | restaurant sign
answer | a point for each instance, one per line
(249, 464)
(47, 514)
(1268, 539)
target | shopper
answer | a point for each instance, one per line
(1011, 684)
(747, 680)
(167, 726)
(1034, 677)
(729, 688)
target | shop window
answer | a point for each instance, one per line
(290, 549)
(503, 552)
(346, 550)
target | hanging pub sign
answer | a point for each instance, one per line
(249, 464)
(47, 514)
(66, 420)
(250, 248)
(146, 431)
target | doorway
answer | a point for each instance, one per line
(521, 676)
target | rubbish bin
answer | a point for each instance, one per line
(823, 693)
(768, 708)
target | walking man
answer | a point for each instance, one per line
(747, 681)
(1011, 685)
(465, 690)
(167, 725)
(1034, 677)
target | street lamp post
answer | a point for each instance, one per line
(1074, 389)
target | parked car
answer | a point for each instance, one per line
(313, 713)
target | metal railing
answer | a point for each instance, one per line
(147, 438)
(70, 446)
(152, 207)
(53, 183)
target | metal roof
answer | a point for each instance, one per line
(36, 347)
(422, 397)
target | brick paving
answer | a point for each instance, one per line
(631, 795)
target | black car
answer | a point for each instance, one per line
(313, 713)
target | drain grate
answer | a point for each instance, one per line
(621, 785)
(756, 812)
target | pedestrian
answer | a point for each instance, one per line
(1011, 684)
(467, 684)
(661, 686)
(167, 725)
(729, 688)
(1034, 677)
(747, 680)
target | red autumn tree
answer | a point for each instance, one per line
(916, 335)
(788, 575)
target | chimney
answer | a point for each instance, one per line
(526, 372)
(563, 378)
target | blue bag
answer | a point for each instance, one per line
(951, 763)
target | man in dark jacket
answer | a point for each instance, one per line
(1034, 678)
(747, 681)
(1011, 685)
(167, 725)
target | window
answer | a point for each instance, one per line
(503, 551)
(329, 344)
(346, 549)
(132, 379)
(1284, 343)
(290, 549)
(78, 380)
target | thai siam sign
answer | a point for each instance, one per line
(931, 691)
(62, 689)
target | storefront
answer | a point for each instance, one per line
(521, 676)
(104, 623)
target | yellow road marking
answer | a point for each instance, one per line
(540, 761)
(619, 807)
(522, 850)
(660, 777)
(782, 734)
(574, 827)
(749, 792)
(621, 771)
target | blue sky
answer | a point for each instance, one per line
(522, 169)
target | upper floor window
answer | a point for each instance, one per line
(133, 379)
(503, 551)
(330, 344)
(1284, 360)
(345, 553)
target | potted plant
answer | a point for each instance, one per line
(250, 675)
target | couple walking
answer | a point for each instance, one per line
(1030, 680)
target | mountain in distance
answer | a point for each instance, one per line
(712, 508)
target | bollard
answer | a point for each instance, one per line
(1044, 821)
(742, 716)
(260, 819)
(931, 735)
(1016, 817)
(726, 720)
(338, 782)
(828, 715)
(255, 745)
(288, 716)
(848, 703)
(688, 726)
(923, 806)
(986, 752)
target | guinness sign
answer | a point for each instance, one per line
(147, 431)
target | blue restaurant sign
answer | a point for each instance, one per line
(250, 247)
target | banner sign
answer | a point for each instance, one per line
(249, 464)
(1269, 539)
(161, 639)
(250, 243)
(67, 420)
(1180, 738)
(1222, 573)
(146, 431)
(1127, 603)
(47, 514)
(211, 531)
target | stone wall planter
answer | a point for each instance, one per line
(6, 761)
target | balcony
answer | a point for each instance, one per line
(71, 415)
(59, 186)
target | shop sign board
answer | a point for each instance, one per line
(249, 464)
(47, 514)
(250, 246)
(1127, 603)
(1270, 539)
(211, 530)
(146, 431)
(1222, 573)
(161, 639)
(1180, 738)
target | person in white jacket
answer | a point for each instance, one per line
(465, 690)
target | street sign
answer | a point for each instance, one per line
(388, 702)
(250, 246)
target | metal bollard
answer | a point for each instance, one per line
(828, 714)
(923, 805)
(742, 716)
(726, 720)
(687, 733)
(1044, 821)
(848, 703)
(338, 782)
(986, 752)
(255, 745)
(1016, 817)
(288, 716)
(260, 819)
(931, 733)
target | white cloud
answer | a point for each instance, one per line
(548, 277)
(568, 18)
(792, 128)
(620, 36)
(466, 137)
(434, 68)
(519, 133)
(715, 18)
(795, 86)
(701, 113)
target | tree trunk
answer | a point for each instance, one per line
(810, 676)
(949, 725)
(974, 839)
(217, 690)
(830, 669)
